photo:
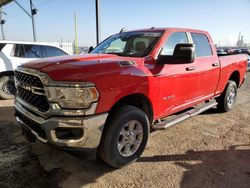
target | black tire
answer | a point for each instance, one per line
(7, 87)
(224, 103)
(108, 149)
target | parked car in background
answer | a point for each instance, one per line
(229, 51)
(248, 63)
(13, 54)
(237, 51)
(245, 51)
(221, 52)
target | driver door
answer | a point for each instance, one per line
(178, 82)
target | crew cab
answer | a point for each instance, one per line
(106, 102)
(14, 53)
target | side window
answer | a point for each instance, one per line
(17, 48)
(51, 51)
(202, 46)
(27, 51)
(20, 52)
(32, 51)
(173, 40)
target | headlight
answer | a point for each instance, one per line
(73, 97)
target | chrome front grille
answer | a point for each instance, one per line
(28, 79)
(31, 90)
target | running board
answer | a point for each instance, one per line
(174, 119)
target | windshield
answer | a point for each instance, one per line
(133, 44)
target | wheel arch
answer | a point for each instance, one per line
(3, 93)
(138, 100)
(7, 73)
(235, 76)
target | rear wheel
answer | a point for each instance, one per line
(125, 138)
(7, 87)
(228, 98)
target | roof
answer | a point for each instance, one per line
(31, 43)
(4, 2)
(25, 42)
(170, 29)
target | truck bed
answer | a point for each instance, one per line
(230, 64)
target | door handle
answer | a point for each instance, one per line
(215, 64)
(190, 68)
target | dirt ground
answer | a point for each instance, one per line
(209, 150)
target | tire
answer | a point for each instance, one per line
(7, 87)
(125, 137)
(228, 97)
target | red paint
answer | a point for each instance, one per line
(147, 77)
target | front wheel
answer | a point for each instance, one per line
(7, 87)
(125, 137)
(228, 97)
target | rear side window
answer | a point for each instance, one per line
(172, 41)
(51, 51)
(28, 51)
(18, 50)
(202, 46)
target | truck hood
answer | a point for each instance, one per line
(80, 67)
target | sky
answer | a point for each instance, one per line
(224, 19)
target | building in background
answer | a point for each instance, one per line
(66, 46)
(240, 42)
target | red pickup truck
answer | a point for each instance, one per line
(107, 101)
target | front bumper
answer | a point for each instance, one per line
(45, 129)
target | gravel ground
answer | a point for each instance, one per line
(209, 150)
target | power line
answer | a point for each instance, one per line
(13, 16)
(45, 2)
(39, 5)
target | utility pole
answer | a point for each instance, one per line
(97, 10)
(2, 22)
(76, 34)
(33, 13)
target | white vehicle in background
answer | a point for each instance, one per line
(248, 63)
(13, 54)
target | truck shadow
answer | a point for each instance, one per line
(219, 168)
(78, 170)
(39, 165)
(211, 111)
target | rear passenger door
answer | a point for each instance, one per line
(207, 65)
(23, 53)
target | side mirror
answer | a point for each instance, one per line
(91, 48)
(183, 54)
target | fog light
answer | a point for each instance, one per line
(69, 133)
